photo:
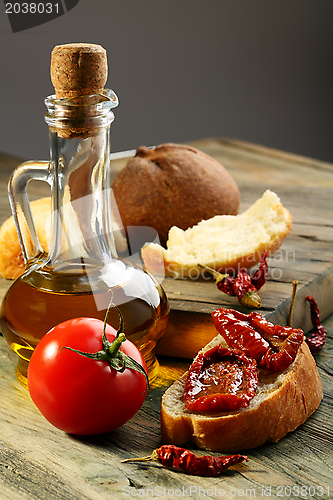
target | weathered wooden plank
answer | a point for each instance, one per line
(252, 163)
(188, 332)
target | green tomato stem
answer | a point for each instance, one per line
(111, 353)
(113, 348)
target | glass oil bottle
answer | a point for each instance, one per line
(81, 273)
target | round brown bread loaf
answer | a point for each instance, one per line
(173, 185)
(284, 400)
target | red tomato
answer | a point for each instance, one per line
(80, 395)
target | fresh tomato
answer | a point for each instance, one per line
(82, 395)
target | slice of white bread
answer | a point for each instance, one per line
(284, 400)
(224, 242)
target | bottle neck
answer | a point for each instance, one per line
(79, 117)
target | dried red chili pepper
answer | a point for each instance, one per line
(274, 347)
(245, 290)
(243, 286)
(174, 457)
(220, 379)
(319, 335)
(259, 277)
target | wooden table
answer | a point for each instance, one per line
(39, 461)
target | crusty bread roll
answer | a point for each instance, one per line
(173, 185)
(284, 400)
(224, 242)
(11, 259)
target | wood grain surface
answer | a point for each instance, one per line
(38, 461)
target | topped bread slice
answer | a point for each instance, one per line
(284, 400)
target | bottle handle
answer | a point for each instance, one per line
(20, 206)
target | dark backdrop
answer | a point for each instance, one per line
(255, 70)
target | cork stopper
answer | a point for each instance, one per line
(78, 69)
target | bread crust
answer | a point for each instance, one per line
(291, 397)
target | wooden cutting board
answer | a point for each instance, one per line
(305, 187)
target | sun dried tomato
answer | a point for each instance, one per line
(220, 379)
(274, 347)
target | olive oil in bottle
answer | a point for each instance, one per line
(81, 273)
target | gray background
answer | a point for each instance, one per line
(256, 70)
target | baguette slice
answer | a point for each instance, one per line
(224, 242)
(284, 400)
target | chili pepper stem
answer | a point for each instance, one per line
(152, 458)
(218, 276)
(292, 304)
(251, 299)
